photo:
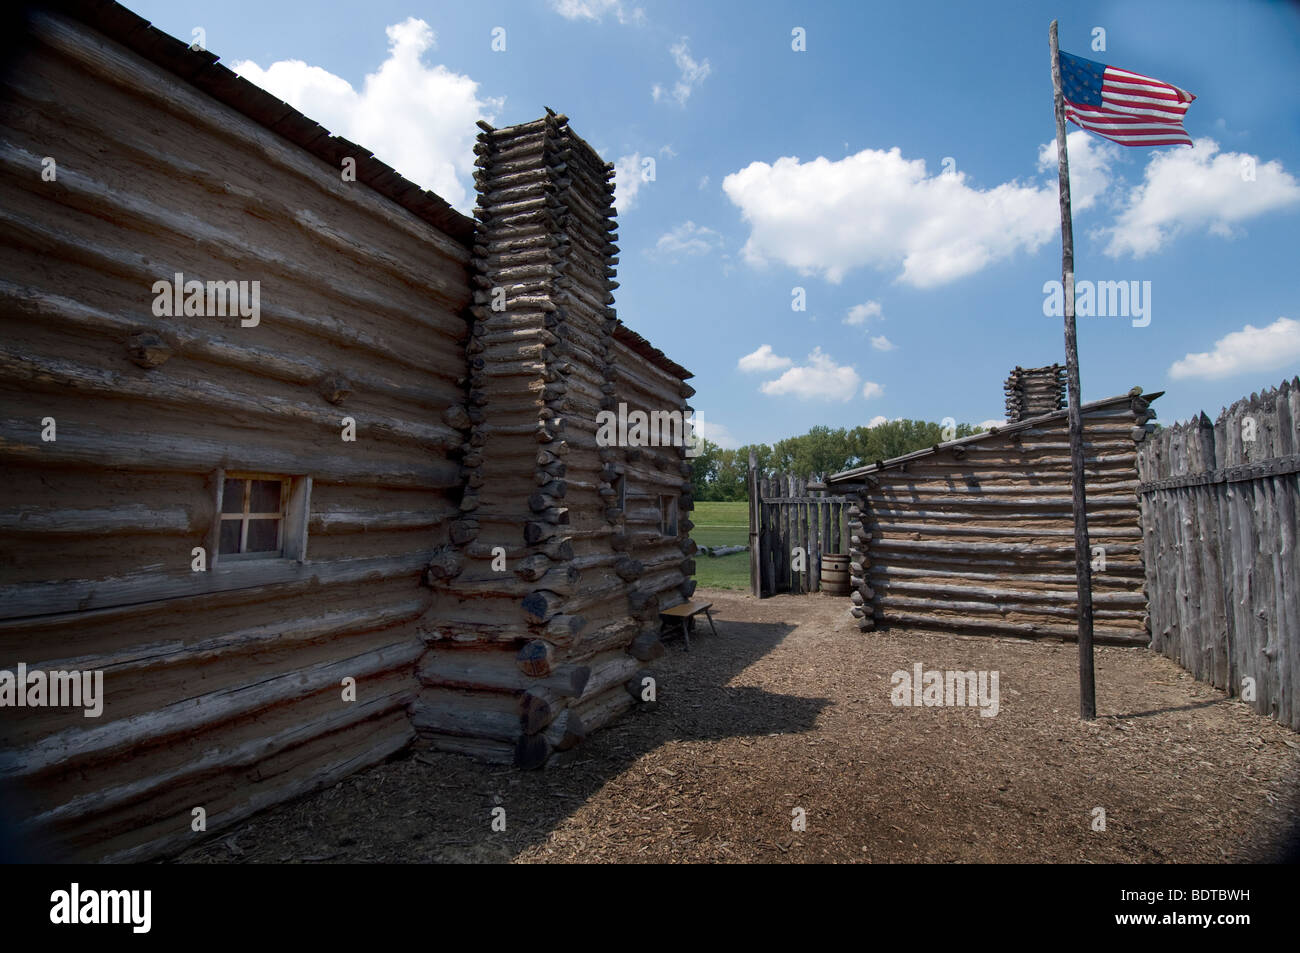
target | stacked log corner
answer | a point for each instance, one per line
(861, 595)
(542, 635)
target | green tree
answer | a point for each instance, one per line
(719, 474)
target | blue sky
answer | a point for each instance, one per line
(824, 169)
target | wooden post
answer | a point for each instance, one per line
(1082, 548)
(755, 558)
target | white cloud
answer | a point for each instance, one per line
(877, 420)
(821, 379)
(628, 179)
(882, 343)
(763, 360)
(704, 182)
(996, 422)
(877, 209)
(692, 74)
(417, 118)
(1250, 349)
(596, 10)
(717, 433)
(1197, 188)
(871, 389)
(861, 313)
(688, 239)
(668, 151)
(1090, 162)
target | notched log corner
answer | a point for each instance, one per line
(446, 564)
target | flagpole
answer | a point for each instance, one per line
(1082, 549)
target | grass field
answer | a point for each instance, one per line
(721, 524)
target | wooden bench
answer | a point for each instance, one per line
(687, 612)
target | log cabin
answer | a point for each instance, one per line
(975, 535)
(377, 517)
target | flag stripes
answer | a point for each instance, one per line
(1123, 106)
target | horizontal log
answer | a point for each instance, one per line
(1100, 580)
(609, 668)
(469, 714)
(481, 749)
(961, 547)
(126, 518)
(604, 708)
(889, 602)
(82, 444)
(26, 600)
(1032, 630)
(617, 634)
(194, 715)
(371, 749)
(233, 645)
(81, 190)
(949, 527)
(220, 759)
(498, 671)
(998, 594)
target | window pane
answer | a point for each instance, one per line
(263, 536)
(232, 497)
(265, 498)
(229, 536)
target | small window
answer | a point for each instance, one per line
(668, 515)
(620, 491)
(262, 516)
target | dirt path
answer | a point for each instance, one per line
(789, 707)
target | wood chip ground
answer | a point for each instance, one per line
(789, 708)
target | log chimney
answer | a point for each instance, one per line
(1033, 391)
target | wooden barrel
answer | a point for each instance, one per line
(835, 574)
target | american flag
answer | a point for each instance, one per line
(1123, 106)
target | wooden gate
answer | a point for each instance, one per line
(790, 528)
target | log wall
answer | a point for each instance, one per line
(554, 609)
(976, 535)
(1220, 517)
(223, 688)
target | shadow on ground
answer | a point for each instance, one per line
(428, 806)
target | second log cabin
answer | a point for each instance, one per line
(975, 535)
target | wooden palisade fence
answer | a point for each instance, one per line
(784, 515)
(1220, 510)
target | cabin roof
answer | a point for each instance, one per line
(1025, 424)
(644, 348)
